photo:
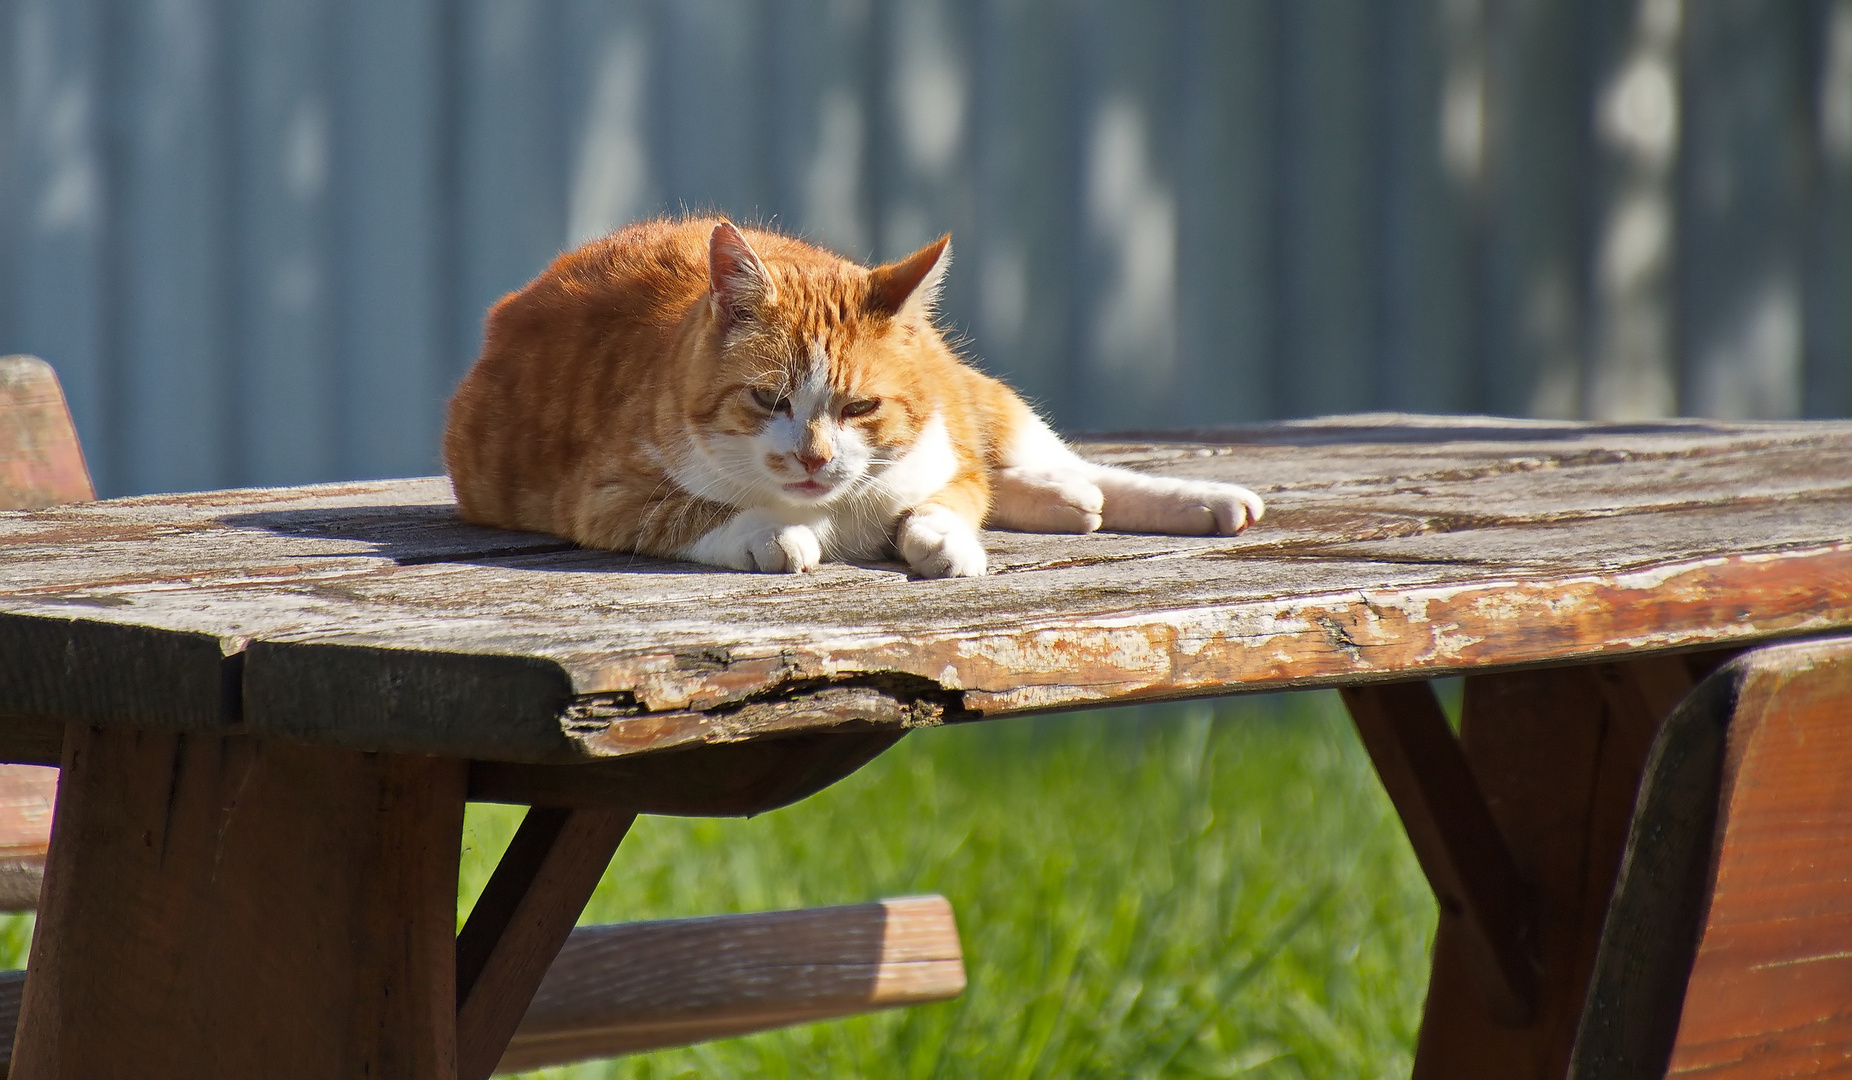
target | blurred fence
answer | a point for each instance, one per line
(257, 238)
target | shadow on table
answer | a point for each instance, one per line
(414, 534)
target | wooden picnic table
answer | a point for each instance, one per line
(270, 706)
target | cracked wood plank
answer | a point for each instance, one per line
(366, 615)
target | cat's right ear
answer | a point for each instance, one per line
(910, 287)
(737, 279)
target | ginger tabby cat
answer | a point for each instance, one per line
(740, 398)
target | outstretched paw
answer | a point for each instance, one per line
(1229, 508)
(1180, 507)
(938, 543)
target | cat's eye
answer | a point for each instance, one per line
(860, 408)
(771, 402)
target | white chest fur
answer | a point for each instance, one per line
(858, 524)
(861, 523)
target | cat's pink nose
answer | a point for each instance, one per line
(812, 464)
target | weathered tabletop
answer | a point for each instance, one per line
(195, 871)
(366, 615)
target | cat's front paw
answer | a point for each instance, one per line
(752, 542)
(938, 543)
(783, 549)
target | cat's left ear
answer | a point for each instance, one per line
(736, 277)
(910, 287)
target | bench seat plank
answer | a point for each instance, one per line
(27, 793)
(40, 461)
(630, 987)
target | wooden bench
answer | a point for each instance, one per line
(612, 990)
(1727, 949)
(630, 987)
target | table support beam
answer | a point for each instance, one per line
(1481, 894)
(525, 914)
(713, 780)
(235, 906)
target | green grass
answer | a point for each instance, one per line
(15, 940)
(1178, 891)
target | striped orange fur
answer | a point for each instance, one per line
(688, 389)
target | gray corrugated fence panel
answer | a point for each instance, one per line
(1828, 377)
(511, 214)
(708, 105)
(1225, 269)
(816, 89)
(56, 194)
(1331, 164)
(1126, 365)
(1433, 100)
(257, 239)
(1025, 138)
(608, 64)
(176, 408)
(1631, 361)
(1537, 130)
(282, 313)
(395, 268)
(1742, 206)
(13, 91)
(921, 142)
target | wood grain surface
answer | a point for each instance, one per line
(1727, 950)
(1770, 993)
(1650, 932)
(366, 615)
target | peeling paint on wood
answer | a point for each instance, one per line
(368, 616)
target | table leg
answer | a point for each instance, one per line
(1558, 754)
(233, 906)
(1485, 902)
(521, 920)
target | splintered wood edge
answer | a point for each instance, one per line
(1257, 646)
(637, 986)
(533, 709)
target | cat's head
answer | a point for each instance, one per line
(820, 374)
